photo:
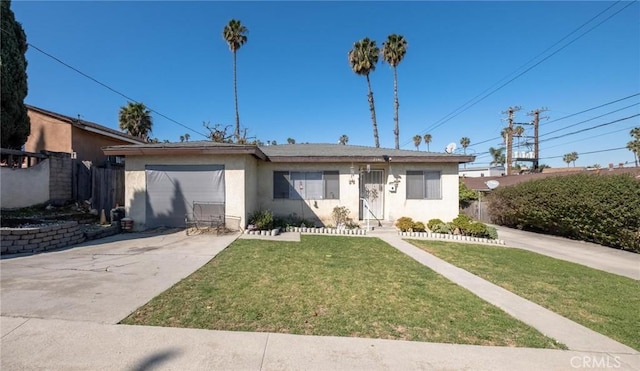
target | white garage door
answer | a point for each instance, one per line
(172, 189)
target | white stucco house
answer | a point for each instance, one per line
(307, 180)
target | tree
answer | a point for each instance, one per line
(15, 122)
(427, 140)
(416, 141)
(291, 141)
(393, 51)
(574, 157)
(217, 133)
(235, 34)
(135, 119)
(518, 131)
(186, 137)
(634, 145)
(343, 139)
(567, 158)
(363, 58)
(464, 142)
(497, 156)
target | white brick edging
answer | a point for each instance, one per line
(446, 236)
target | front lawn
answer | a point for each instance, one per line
(331, 285)
(604, 302)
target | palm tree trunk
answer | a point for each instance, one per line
(396, 130)
(373, 114)
(235, 93)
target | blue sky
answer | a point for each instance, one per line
(294, 79)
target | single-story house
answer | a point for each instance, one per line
(306, 180)
(83, 140)
(483, 171)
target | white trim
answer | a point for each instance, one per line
(108, 134)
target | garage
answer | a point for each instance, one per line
(172, 190)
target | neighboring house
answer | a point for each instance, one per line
(306, 180)
(83, 140)
(480, 184)
(477, 172)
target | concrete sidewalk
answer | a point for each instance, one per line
(623, 263)
(37, 344)
(573, 335)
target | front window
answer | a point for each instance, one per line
(424, 185)
(306, 185)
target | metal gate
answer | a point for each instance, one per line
(372, 190)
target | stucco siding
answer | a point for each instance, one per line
(48, 133)
(23, 187)
(317, 209)
(446, 208)
(135, 182)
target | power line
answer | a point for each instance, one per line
(112, 89)
(575, 114)
(591, 128)
(591, 137)
(588, 153)
(459, 110)
(591, 119)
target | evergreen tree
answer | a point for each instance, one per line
(16, 126)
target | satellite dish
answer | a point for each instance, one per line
(450, 147)
(492, 184)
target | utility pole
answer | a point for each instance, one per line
(509, 137)
(536, 148)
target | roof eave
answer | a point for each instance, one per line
(145, 151)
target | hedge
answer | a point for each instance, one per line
(604, 209)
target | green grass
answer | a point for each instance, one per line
(331, 285)
(604, 302)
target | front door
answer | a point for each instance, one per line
(372, 190)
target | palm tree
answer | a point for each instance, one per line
(186, 137)
(574, 157)
(497, 156)
(234, 34)
(393, 51)
(291, 141)
(135, 119)
(343, 139)
(416, 141)
(518, 131)
(363, 58)
(569, 157)
(464, 142)
(181, 138)
(634, 145)
(427, 140)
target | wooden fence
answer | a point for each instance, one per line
(103, 186)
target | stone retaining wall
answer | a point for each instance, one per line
(37, 239)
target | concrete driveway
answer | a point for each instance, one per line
(104, 280)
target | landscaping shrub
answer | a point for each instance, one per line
(444, 228)
(433, 222)
(604, 209)
(466, 195)
(419, 227)
(340, 215)
(404, 224)
(262, 219)
(462, 222)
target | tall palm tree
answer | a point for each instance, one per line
(634, 145)
(187, 137)
(363, 58)
(416, 141)
(343, 139)
(427, 140)
(234, 34)
(574, 157)
(135, 119)
(393, 51)
(464, 142)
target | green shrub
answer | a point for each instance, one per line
(598, 208)
(433, 222)
(419, 227)
(445, 228)
(492, 233)
(462, 223)
(465, 195)
(404, 224)
(476, 229)
(262, 219)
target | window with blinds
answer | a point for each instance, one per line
(424, 185)
(306, 185)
